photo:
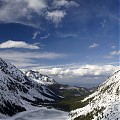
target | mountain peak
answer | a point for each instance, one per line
(40, 78)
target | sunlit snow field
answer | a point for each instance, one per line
(41, 114)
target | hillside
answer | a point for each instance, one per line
(103, 104)
(18, 92)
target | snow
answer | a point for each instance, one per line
(16, 87)
(41, 114)
(107, 97)
(40, 78)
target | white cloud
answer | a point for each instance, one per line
(71, 73)
(56, 16)
(36, 5)
(82, 71)
(79, 75)
(30, 55)
(22, 11)
(17, 44)
(60, 3)
(115, 53)
(24, 59)
(35, 34)
(23, 7)
(112, 54)
(94, 45)
(30, 12)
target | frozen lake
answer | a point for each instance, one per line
(41, 114)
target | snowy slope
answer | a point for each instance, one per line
(40, 78)
(41, 113)
(103, 104)
(18, 92)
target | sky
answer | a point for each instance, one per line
(76, 42)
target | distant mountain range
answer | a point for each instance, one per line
(103, 104)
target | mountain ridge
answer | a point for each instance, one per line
(103, 104)
(40, 78)
(18, 92)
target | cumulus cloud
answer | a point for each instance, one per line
(56, 16)
(94, 45)
(82, 71)
(79, 75)
(18, 44)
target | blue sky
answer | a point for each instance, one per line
(62, 38)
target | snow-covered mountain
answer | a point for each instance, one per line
(59, 89)
(103, 104)
(40, 78)
(18, 92)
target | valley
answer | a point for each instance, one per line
(22, 91)
(40, 95)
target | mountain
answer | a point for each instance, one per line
(103, 104)
(70, 94)
(18, 92)
(60, 89)
(40, 78)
